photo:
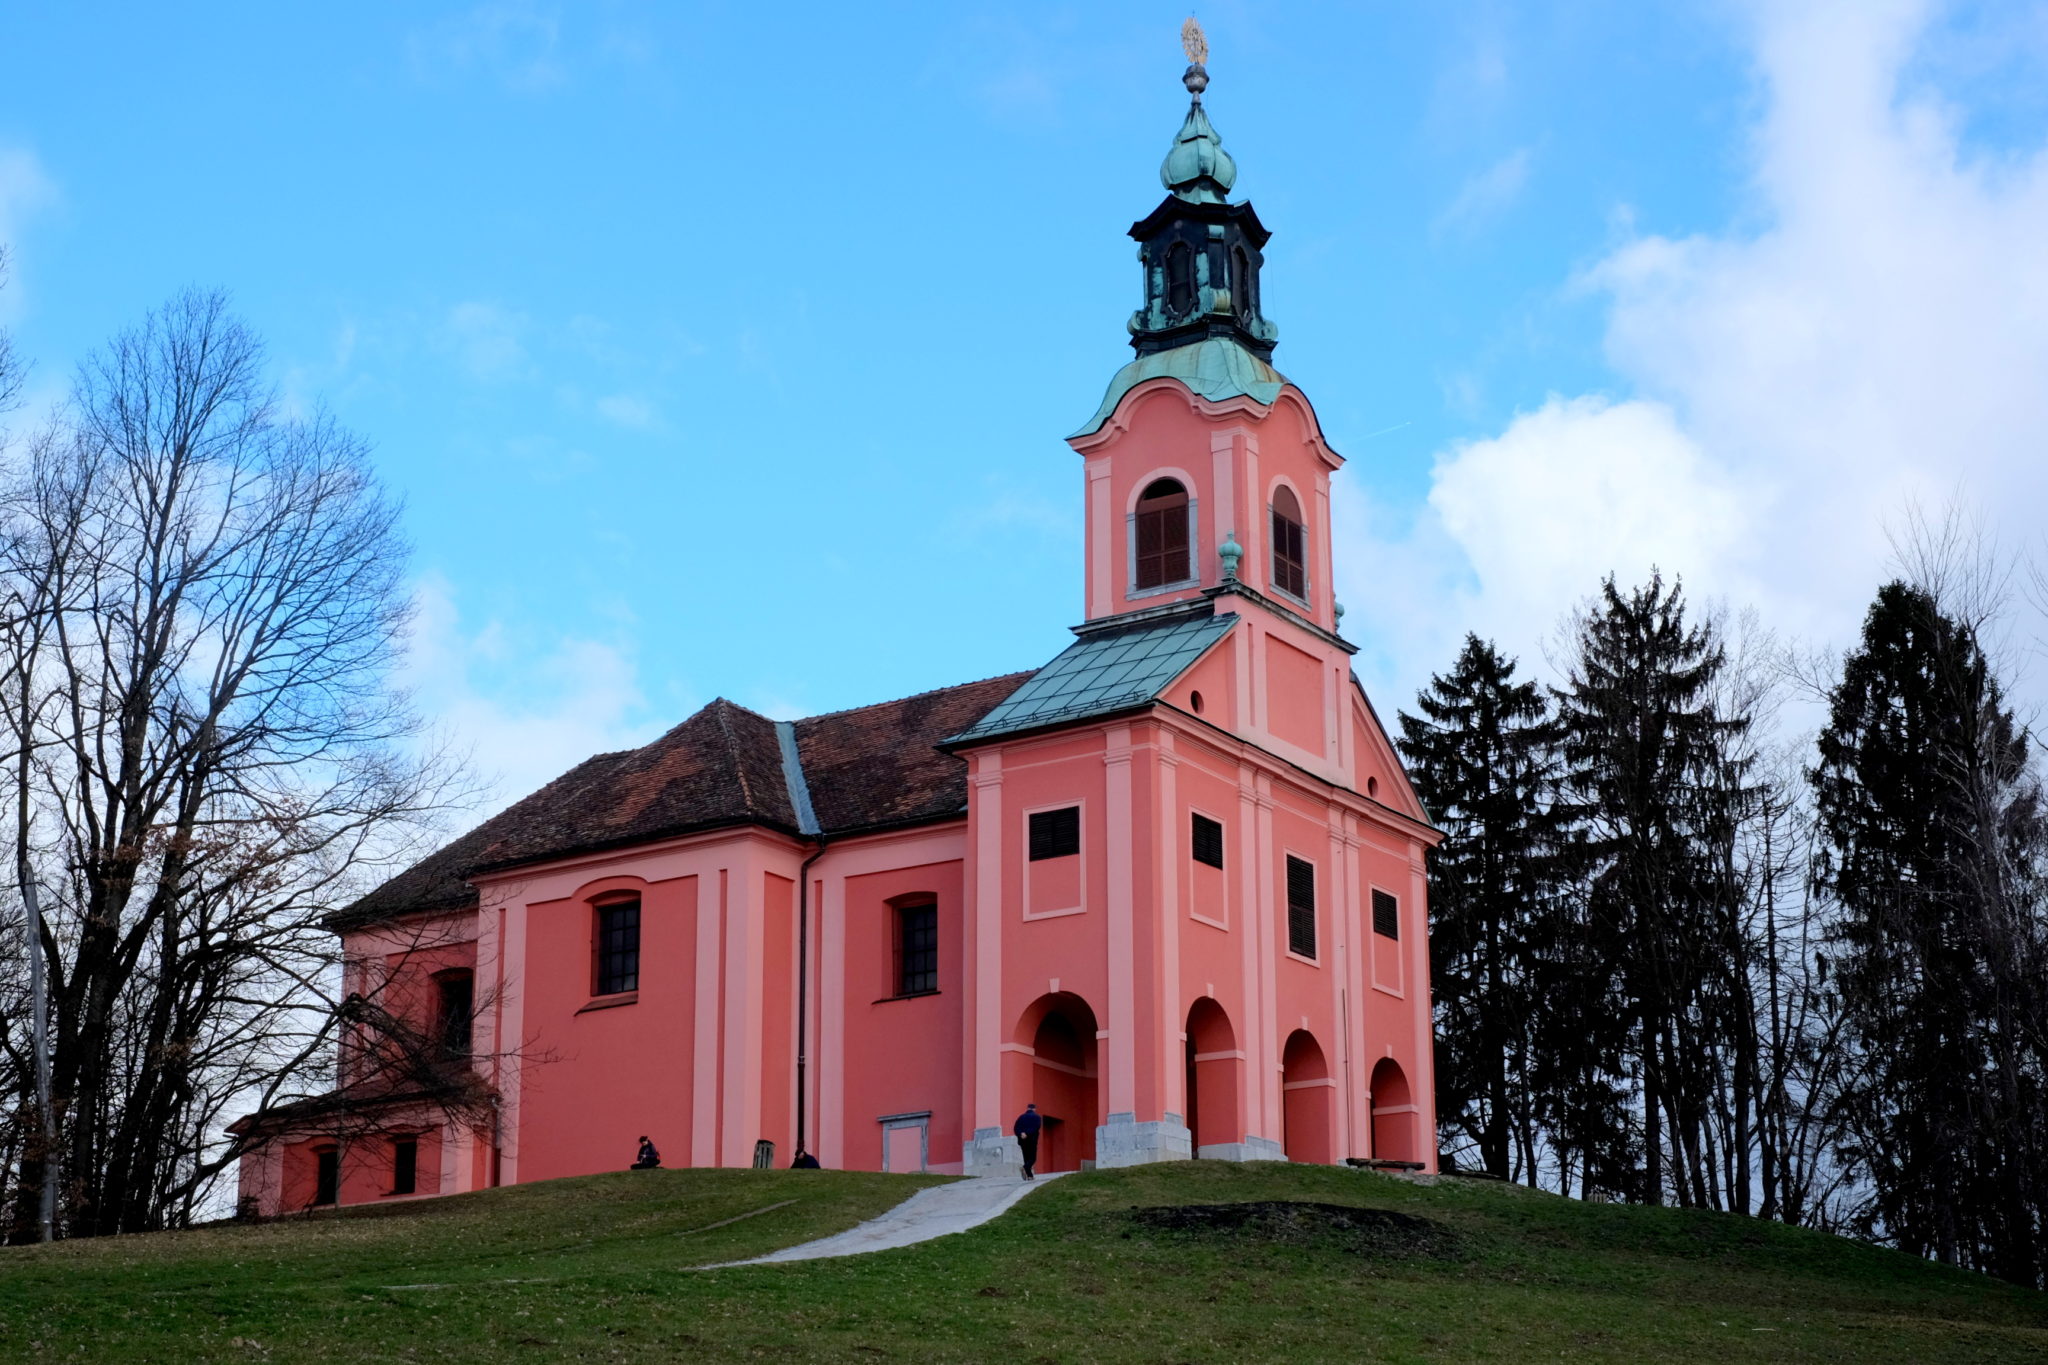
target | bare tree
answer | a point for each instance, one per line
(204, 606)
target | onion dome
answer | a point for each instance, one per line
(1197, 168)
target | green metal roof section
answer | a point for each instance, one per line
(1104, 672)
(1196, 166)
(1214, 368)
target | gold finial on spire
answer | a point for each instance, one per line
(1194, 42)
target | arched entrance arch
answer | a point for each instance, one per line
(1053, 1065)
(1393, 1114)
(1309, 1100)
(1215, 1077)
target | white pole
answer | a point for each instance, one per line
(39, 1011)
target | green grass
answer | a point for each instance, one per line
(598, 1269)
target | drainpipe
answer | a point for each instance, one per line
(807, 825)
(803, 984)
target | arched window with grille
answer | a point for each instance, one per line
(1290, 545)
(1162, 535)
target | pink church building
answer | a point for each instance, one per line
(1169, 887)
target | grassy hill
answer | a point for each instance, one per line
(1187, 1262)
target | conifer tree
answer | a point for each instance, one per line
(1932, 839)
(1648, 769)
(1482, 754)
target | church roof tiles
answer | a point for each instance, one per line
(873, 767)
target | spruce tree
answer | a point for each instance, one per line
(1482, 753)
(1648, 771)
(1931, 850)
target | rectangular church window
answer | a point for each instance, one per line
(327, 1175)
(618, 947)
(1301, 907)
(1205, 840)
(405, 1165)
(455, 1012)
(1386, 915)
(1055, 833)
(917, 949)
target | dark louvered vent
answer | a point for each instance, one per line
(1162, 529)
(1055, 833)
(1290, 555)
(1386, 914)
(1205, 840)
(1301, 907)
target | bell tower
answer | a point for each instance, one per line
(1207, 471)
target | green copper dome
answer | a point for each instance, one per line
(1215, 368)
(1197, 169)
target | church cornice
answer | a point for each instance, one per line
(1237, 587)
(1114, 417)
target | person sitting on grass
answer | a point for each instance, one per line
(804, 1161)
(649, 1159)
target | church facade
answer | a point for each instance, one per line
(1169, 887)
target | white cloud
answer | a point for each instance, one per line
(517, 44)
(489, 341)
(25, 190)
(527, 709)
(1880, 339)
(1485, 196)
(1578, 489)
(627, 411)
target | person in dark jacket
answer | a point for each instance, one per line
(649, 1159)
(804, 1161)
(1026, 1128)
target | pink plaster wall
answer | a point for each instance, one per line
(282, 1176)
(901, 1055)
(600, 1071)
(1231, 457)
(394, 966)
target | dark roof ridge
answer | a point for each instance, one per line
(732, 748)
(928, 692)
(720, 703)
(731, 705)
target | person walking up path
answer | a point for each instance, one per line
(1027, 1129)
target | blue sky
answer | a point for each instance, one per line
(728, 349)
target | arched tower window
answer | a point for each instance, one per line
(1162, 531)
(1241, 282)
(1290, 544)
(1180, 280)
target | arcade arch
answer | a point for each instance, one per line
(1215, 1077)
(1053, 1065)
(1393, 1114)
(1308, 1105)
